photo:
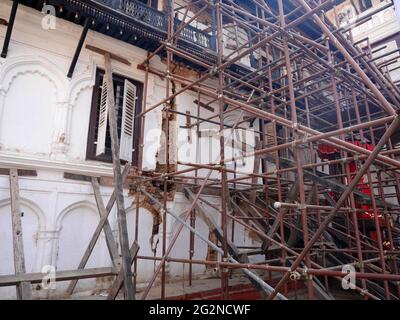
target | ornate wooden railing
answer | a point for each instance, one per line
(194, 35)
(142, 12)
(154, 18)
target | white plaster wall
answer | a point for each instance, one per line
(22, 133)
(379, 27)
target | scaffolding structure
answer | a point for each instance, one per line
(307, 93)
(316, 91)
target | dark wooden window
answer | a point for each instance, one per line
(119, 87)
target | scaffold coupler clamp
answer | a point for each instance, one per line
(363, 292)
(305, 137)
(225, 269)
(301, 206)
(306, 275)
(295, 275)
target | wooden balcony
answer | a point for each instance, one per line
(130, 21)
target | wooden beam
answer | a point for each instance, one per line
(112, 246)
(203, 105)
(79, 47)
(119, 192)
(10, 27)
(77, 177)
(13, 280)
(24, 290)
(105, 226)
(21, 172)
(104, 52)
(120, 278)
(96, 233)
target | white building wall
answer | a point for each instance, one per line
(380, 29)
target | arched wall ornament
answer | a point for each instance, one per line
(42, 226)
(63, 213)
(15, 67)
(59, 221)
(32, 206)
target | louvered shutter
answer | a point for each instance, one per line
(128, 120)
(103, 119)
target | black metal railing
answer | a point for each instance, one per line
(157, 19)
(195, 35)
(142, 12)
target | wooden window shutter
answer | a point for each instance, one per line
(128, 121)
(103, 119)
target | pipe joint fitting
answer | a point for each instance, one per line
(302, 206)
(294, 276)
(363, 292)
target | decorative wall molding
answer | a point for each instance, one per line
(35, 208)
(14, 160)
(80, 204)
(20, 65)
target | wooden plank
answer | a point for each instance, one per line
(77, 177)
(105, 226)
(21, 172)
(65, 275)
(112, 246)
(105, 52)
(120, 279)
(203, 105)
(103, 181)
(119, 192)
(24, 290)
(96, 233)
